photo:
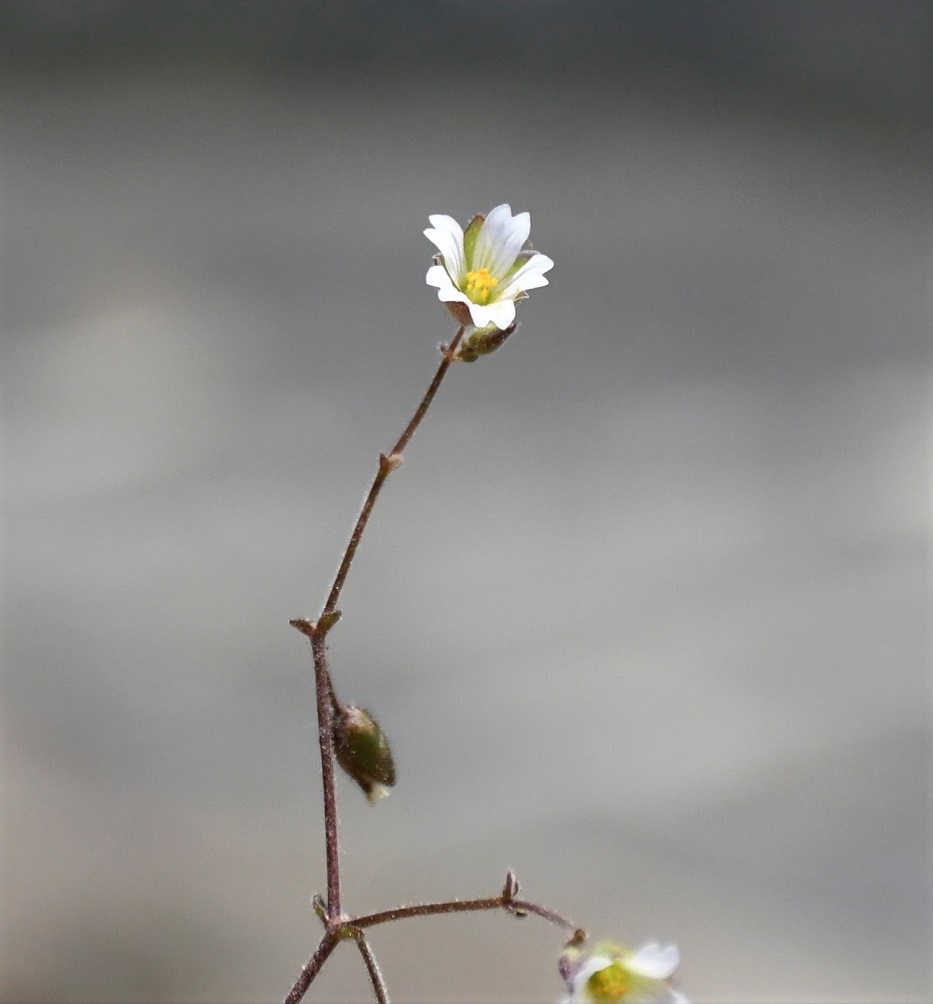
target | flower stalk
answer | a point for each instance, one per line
(480, 274)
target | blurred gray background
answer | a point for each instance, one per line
(646, 611)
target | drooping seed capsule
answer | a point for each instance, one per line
(362, 749)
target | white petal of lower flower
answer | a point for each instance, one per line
(616, 975)
(592, 965)
(500, 239)
(654, 961)
(447, 237)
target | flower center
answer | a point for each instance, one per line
(610, 984)
(479, 285)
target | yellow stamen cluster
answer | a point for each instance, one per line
(610, 984)
(479, 285)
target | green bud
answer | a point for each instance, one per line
(362, 749)
(482, 341)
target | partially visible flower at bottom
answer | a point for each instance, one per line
(614, 974)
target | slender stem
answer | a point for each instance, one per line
(517, 906)
(328, 943)
(523, 906)
(449, 352)
(387, 464)
(327, 706)
(323, 691)
(372, 967)
(353, 543)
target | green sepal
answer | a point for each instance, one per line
(483, 341)
(469, 239)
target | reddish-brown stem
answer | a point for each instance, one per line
(328, 943)
(325, 711)
(449, 353)
(326, 698)
(387, 464)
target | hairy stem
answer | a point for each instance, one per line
(372, 967)
(328, 943)
(325, 719)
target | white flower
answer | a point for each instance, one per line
(611, 974)
(486, 268)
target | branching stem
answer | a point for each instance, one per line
(355, 928)
(328, 943)
(339, 927)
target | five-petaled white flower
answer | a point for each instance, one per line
(611, 974)
(485, 268)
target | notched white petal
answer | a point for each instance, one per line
(501, 238)
(506, 236)
(437, 276)
(501, 313)
(444, 222)
(447, 237)
(529, 276)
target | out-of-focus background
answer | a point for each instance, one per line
(646, 611)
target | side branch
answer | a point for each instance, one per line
(506, 900)
(372, 968)
(519, 907)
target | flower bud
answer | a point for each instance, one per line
(482, 341)
(362, 749)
